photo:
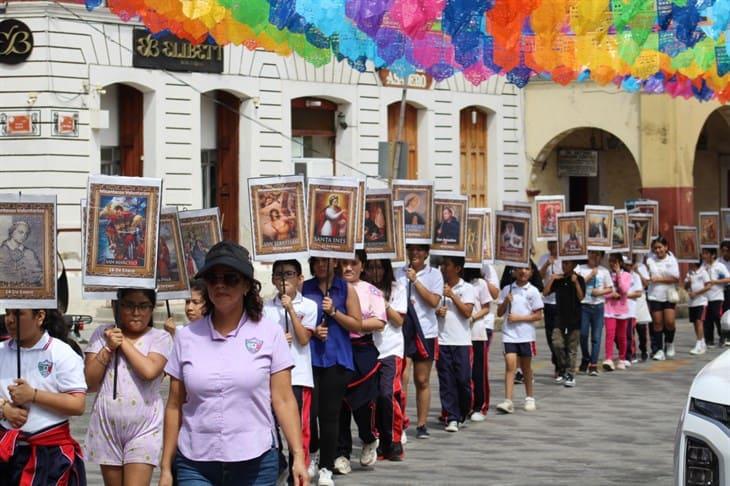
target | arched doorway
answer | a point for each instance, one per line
(219, 157)
(474, 166)
(314, 130)
(122, 144)
(565, 167)
(711, 170)
(409, 135)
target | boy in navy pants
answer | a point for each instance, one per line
(454, 339)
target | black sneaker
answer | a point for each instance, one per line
(583, 367)
(422, 432)
(644, 356)
(519, 378)
(396, 453)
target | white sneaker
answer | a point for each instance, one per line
(403, 438)
(506, 407)
(698, 349)
(452, 426)
(558, 380)
(626, 363)
(670, 350)
(369, 454)
(325, 478)
(313, 466)
(608, 365)
(659, 356)
(342, 466)
(530, 405)
(478, 417)
(621, 365)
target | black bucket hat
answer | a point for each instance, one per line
(228, 254)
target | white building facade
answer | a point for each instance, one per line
(204, 133)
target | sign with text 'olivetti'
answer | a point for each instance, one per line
(165, 51)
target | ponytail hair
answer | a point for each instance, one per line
(55, 325)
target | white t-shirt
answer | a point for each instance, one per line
(636, 286)
(666, 267)
(390, 341)
(490, 275)
(555, 268)
(434, 283)
(454, 328)
(602, 280)
(697, 280)
(306, 310)
(483, 298)
(717, 271)
(726, 263)
(525, 301)
(51, 365)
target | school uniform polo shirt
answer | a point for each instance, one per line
(554, 268)
(490, 275)
(50, 365)
(665, 267)
(434, 283)
(482, 298)
(454, 328)
(227, 414)
(717, 271)
(390, 340)
(602, 280)
(525, 301)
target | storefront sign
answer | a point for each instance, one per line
(16, 41)
(20, 123)
(65, 123)
(577, 163)
(415, 81)
(166, 51)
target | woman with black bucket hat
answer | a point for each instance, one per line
(228, 371)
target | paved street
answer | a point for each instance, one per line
(617, 428)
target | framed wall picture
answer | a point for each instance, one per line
(572, 236)
(28, 252)
(620, 238)
(449, 231)
(417, 197)
(547, 209)
(92, 292)
(725, 224)
(379, 230)
(172, 276)
(278, 218)
(599, 224)
(201, 229)
(686, 244)
(640, 225)
(122, 227)
(709, 229)
(332, 206)
(512, 239)
(474, 238)
(400, 258)
(20, 123)
(517, 207)
(488, 256)
(65, 123)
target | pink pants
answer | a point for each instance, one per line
(616, 329)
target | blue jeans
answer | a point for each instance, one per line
(591, 322)
(260, 471)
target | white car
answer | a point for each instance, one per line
(702, 442)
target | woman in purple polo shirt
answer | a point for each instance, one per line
(227, 372)
(332, 365)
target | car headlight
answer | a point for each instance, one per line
(703, 468)
(711, 410)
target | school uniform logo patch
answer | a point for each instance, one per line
(45, 367)
(253, 345)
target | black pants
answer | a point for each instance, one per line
(550, 313)
(364, 418)
(480, 374)
(330, 385)
(712, 321)
(454, 371)
(389, 416)
(642, 329)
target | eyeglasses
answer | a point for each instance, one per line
(229, 279)
(286, 274)
(131, 306)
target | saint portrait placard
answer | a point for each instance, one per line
(92, 292)
(512, 246)
(709, 229)
(278, 220)
(517, 207)
(360, 211)
(474, 238)
(488, 256)
(379, 225)
(332, 207)
(417, 197)
(640, 225)
(172, 276)
(122, 227)
(449, 231)
(572, 236)
(599, 225)
(686, 244)
(725, 223)
(400, 258)
(620, 238)
(201, 229)
(28, 252)
(647, 206)
(547, 209)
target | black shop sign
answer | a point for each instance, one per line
(16, 41)
(165, 51)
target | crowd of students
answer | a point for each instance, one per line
(340, 346)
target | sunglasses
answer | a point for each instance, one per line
(131, 306)
(229, 279)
